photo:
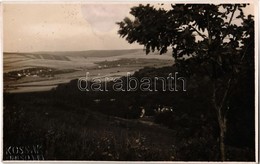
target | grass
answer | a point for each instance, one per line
(78, 134)
(71, 126)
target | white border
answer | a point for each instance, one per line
(1, 78)
(257, 25)
(126, 1)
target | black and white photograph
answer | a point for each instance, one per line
(129, 81)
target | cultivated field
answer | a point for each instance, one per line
(27, 72)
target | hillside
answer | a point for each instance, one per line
(106, 125)
(41, 71)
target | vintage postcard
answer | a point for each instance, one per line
(130, 81)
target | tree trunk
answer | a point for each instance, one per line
(221, 141)
(221, 121)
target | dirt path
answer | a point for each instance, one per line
(139, 123)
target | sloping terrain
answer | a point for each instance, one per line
(74, 133)
(76, 125)
(41, 71)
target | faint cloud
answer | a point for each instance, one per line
(103, 17)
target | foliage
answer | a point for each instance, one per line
(218, 38)
(213, 34)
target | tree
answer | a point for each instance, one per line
(219, 38)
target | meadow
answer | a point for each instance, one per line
(73, 125)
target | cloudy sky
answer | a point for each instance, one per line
(64, 27)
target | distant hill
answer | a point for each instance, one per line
(91, 53)
(94, 53)
(72, 59)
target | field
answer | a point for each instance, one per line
(43, 107)
(27, 72)
(74, 133)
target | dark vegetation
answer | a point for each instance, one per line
(225, 49)
(76, 125)
(212, 121)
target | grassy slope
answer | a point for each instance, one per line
(68, 132)
(69, 126)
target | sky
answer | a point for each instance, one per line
(65, 27)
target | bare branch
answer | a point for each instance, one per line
(233, 12)
(230, 20)
(226, 93)
(217, 109)
(209, 34)
(244, 54)
(200, 34)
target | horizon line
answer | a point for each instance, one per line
(73, 50)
